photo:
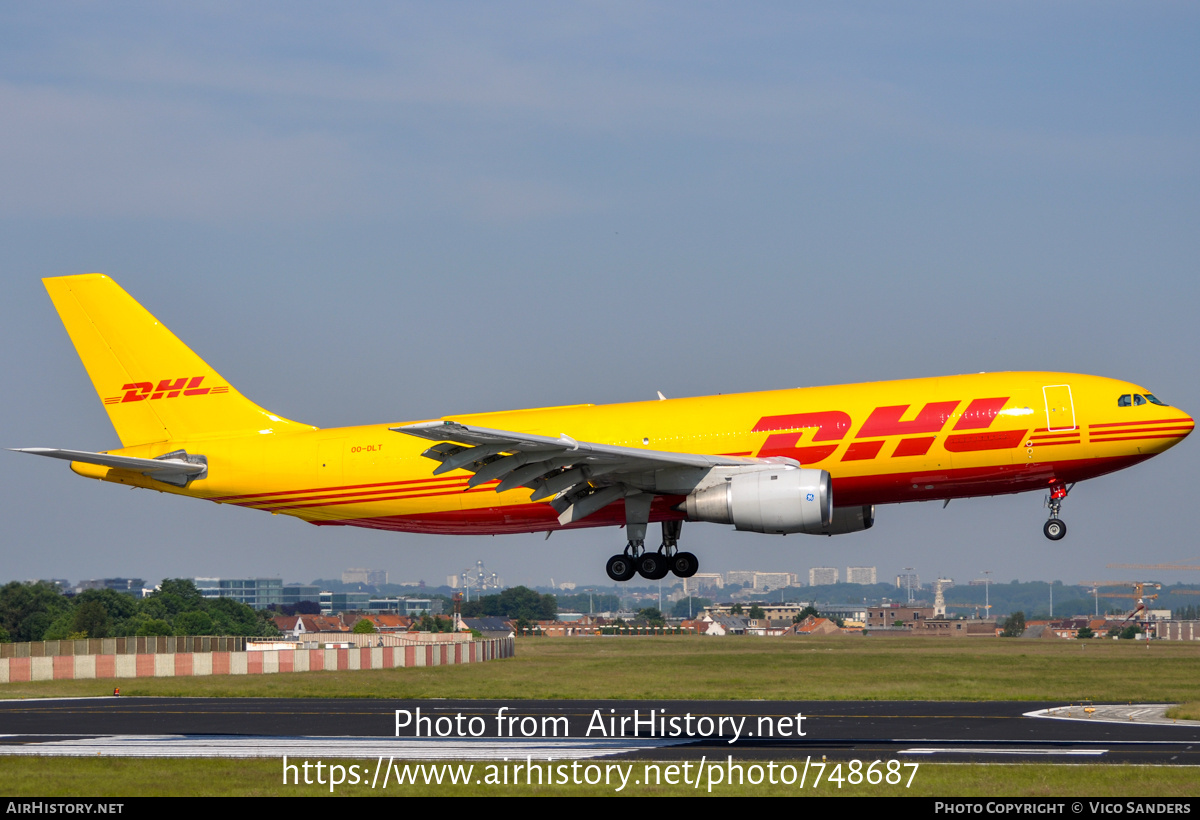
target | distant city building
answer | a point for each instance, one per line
(296, 593)
(772, 612)
(860, 575)
(344, 602)
(849, 613)
(370, 577)
(130, 586)
(259, 593)
(889, 615)
(368, 604)
(702, 581)
(910, 582)
(761, 580)
(774, 580)
(821, 576)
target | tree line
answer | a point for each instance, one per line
(39, 611)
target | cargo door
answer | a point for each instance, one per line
(1060, 408)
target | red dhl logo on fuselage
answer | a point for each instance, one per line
(834, 425)
(166, 389)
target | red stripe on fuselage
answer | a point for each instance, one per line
(537, 517)
(1128, 423)
(288, 502)
(338, 487)
(358, 500)
(893, 488)
(1187, 428)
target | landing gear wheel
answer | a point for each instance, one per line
(1055, 529)
(684, 564)
(652, 566)
(620, 568)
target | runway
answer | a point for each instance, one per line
(575, 730)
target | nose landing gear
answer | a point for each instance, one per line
(1055, 529)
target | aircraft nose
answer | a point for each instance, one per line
(1181, 426)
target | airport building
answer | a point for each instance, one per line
(771, 612)
(296, 593)
(365, 602)
(259, 593)
(849, 613)
(888, 615)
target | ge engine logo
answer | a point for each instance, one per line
(809, 497)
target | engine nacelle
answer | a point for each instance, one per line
(771, 501)
(851, 519)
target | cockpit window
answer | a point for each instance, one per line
(1150, 398)
(1124, 401)
(1138, 400)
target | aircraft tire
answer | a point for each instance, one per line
(652, 566)
(1055, 529)
(620, 568)
(684, 564)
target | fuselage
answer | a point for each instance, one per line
(882, 442)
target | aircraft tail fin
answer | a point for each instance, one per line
(153, 386)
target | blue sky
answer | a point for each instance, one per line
(378, 212)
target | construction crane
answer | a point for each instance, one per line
(1139, 593)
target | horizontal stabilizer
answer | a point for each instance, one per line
(154, 467)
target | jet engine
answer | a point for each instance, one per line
(851, 519)
(771, 501)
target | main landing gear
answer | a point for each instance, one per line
(1055, 529)
(653, 566)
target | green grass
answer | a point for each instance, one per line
(687, 667)
(116, 777)
(1185, 711)
(834, 668)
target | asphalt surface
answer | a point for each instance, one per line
(681, 730)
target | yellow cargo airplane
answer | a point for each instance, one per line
(813, 460)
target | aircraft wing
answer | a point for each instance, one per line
(562, 467)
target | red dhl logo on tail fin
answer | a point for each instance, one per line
(166, 389)
(882, 423)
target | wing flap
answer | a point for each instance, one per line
(562, 467)
(509, 441)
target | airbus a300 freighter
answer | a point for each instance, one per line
(812, 460)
